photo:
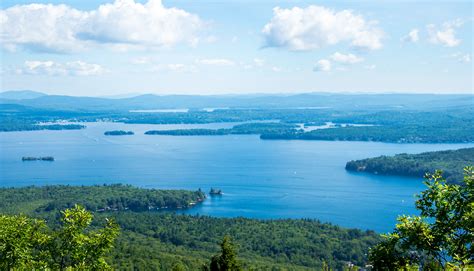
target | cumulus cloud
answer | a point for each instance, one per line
(216, 62)
(465, 58)
(412, 36)
(73, 68)
(60, 28)
(460, 57)
(322, 65)
(446, 34)
(346, 59)
(314, 27)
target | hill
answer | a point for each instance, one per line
(21, 94)
(157, 240)
(451, 162)
(306, 100)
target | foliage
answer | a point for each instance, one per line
(103, 198)
(8, 125)
(416, 165)
(227, 259)
(295, 243)
(118, 133)
(159, 240)
(442, 235)
(27, 243)
(398, 124)
(241, 129)
(400, 133)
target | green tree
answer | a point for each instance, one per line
(227, 259)
(22, 243)
(179, 266)
(27, 243)
(441, 236)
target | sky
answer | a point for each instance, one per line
(107, 48)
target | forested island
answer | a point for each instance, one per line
(43, 158)
(241, 129)
(118, 133)
(425, 124)
(160, 240)
(451, 162)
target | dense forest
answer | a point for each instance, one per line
(158, 240)
(241, 129)
(451, 162)
(115, 197)
(393, 134)
(394, 125)
(118, 133)
(9, 125)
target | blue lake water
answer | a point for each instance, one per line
(260, 179)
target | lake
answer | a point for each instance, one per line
(259, 178)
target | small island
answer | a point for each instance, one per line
(215, 192)
(118, 133)
(45, 158)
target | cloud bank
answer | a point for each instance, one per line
(60, 28)
(72, 68)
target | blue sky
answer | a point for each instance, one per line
(99, 48)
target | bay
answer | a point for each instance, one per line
(260, 178)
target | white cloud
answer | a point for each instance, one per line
(73, 68)
(412, 36)
(175, 67)
(346, 59)
(465, 58)
(258, 62)
(322, 65)
(370, 67)
(60, 28)
(314, 27)
(216, 62)
(141, 60)
(276, 69)
(255, 63)
(460, 57)
(446, 35)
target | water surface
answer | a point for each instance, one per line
(260, 179)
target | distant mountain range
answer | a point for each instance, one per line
(21, 94)
(307, 100)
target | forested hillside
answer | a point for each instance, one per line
(94, 198)
(157, 240)
(451, 162)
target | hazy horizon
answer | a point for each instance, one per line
(135, 94)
